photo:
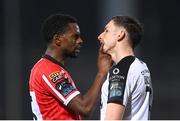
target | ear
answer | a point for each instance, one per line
(121, 35)
(57, 39)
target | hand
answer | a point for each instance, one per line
(104, 61)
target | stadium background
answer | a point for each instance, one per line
(21, 47)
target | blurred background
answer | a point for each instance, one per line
(21, 47)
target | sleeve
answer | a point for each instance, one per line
(60, 84)
(116, 89)
(118, 82)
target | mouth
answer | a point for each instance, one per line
(104, 48)
(100, 43)
(77, 49)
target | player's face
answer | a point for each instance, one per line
(108, 37)
(73, 41)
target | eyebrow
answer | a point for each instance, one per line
(76, 35)
(105, 28)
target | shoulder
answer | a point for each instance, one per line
(137, 67)
(124, 65)
(137, 71)
(46, 67)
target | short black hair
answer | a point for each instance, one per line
(55, 24)
(132, 26)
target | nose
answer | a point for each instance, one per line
(80, 40)
(100, 37)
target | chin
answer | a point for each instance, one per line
(74, 55)
(105, 50)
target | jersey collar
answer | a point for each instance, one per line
(53, 60)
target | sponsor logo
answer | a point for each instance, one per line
(59, 87)
(56, 76)
(116, 77)
(115, 71)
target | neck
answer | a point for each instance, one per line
(120, 52)
(56, 54)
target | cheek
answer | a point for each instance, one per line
(110, 44)
(109, 39)
(72, 45)
(72, 41)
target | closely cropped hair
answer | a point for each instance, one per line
(132, 26)
(55, 24)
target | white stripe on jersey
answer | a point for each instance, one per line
(65, 101)
(71, 97)
(35, 107)
(54, 90)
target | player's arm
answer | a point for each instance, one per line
(118, 90)
(114, 111)
(84, 104)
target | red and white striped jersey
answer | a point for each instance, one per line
(51, 89)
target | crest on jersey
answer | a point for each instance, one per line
(116, 89)
(55, 76)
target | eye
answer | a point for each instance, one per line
(76, 36)
(106, 31)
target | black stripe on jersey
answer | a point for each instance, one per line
(148, 89)
(117, 80)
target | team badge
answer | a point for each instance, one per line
(65, 87)
(116, 89)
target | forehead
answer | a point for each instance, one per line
(73, 27)
(110, 24)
